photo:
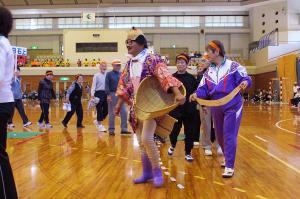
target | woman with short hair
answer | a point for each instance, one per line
(220, 79)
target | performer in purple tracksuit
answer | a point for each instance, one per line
(219, 80)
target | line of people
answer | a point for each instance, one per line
(218, 77)
(104, 87)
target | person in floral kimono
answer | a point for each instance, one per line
(140, 65)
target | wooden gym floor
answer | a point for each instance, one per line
(74, 163)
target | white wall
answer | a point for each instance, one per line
(235, 42)
(43, 42)
(293, 15)
(274, 52)
(239, 44)
(269, 10)
(190, 41)
(72, 36)
(259, 58)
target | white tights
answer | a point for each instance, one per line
(145, 137)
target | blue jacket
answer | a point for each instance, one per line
(16, 88)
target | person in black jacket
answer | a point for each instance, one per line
(73, 96)
(186, 114)
(45, 94)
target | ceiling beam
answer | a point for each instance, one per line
(26, 2)
(51, 2)
(2, 3)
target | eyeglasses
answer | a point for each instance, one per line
(129, 42)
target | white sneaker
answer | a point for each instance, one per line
(27, 124)
(49, 126)
(96, 123)
(196, 143)
(11, 126)
(228, 173)
(171, 150)
(207, 152)
(101, 128)
(189, 158)
(41, 125)
(219, 151)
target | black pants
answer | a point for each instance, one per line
(45, 113)
(295, 101)
(196, 124)
(20, 108)
(188, 131)
(75, 107)
(7, 183)
(102, 106)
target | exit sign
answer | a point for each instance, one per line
(64, 78)
(34, 47)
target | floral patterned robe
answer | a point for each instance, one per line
(152, 66)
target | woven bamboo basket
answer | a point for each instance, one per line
(152, 101)
(165, 126)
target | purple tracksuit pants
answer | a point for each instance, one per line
(227, 120)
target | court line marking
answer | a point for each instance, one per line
(180, 186)
(270, 154)
(280, 121)
(199, 177)
(260, 138)
(181, 172)
(218, 183)
(238, 189)
(260, 197)
(30, 139)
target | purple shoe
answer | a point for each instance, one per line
(158, 179)
(147, 171)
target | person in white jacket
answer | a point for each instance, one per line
(7, 183)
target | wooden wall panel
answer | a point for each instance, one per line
(261, 81)
(31, 83)
(287, 72)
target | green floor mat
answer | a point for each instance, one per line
(22, 135)
(180, 137)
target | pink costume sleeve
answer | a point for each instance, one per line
(163, 75)
(125, 89)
